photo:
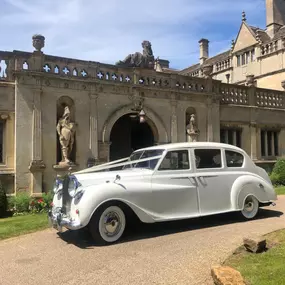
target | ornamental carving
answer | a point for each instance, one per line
(144, 59)
(66, 132)
(38, 42)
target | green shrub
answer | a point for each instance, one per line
(279, 166)
(48, 198)
(21, 202)
(3, 201)
(39, 205)
(278, 173)
(274, 179)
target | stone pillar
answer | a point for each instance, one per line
(104, 151)
(93, 142)
(209, 121)
(253, 141)
(213, 119)
(235, 137)
(37, 165)
(174, 134)
(265, 144)
(281, 143)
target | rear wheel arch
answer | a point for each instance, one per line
(241, 188)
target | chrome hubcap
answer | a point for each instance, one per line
(112, 224)
(249, 206)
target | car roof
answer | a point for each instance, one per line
(192, 144)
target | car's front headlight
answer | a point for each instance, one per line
(73, 185)
(57, 186)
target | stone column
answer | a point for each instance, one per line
(93, 131)
(174, 134)
(265, 144)
(37, 165)
(213, 119)
(253, 140)
(210, 136)
(235, 137)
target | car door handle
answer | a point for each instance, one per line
(181, 177)
(206, 176)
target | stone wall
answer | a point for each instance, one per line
(99, 94)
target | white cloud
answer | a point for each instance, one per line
(107, 31)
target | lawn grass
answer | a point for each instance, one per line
(265, 268)
(15, 226)
(280, 190)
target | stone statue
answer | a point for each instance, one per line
(66, 131)
(38, 42)
(145, 59)
(192, 130)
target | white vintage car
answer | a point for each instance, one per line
(161, 183)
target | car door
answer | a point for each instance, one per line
(174, 189)
(213, 180)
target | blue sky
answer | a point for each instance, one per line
(107, 31)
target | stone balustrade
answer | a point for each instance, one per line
(12, 62)
(234, 94)
(269, 48)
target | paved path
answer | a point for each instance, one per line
(168, 253)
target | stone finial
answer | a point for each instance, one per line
(249, 80)
(232, 44)
(207, 70)
(38, 42)
(243, 16)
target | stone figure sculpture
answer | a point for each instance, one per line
(66, 131)
(145, 59)
(38, 42)
(192, 130)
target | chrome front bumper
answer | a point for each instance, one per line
(57, 220)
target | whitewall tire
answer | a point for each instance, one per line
(108, 224)
(250, 207)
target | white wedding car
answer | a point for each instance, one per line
(160, 183)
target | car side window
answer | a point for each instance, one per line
(175, 160)
(234, 159)
(208, 158)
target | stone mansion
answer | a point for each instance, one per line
(256, 52)
(60, 112)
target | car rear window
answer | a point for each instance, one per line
(234, 159)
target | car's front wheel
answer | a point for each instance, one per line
(108, 224)
(250, 208)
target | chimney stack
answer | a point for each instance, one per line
(275, 16)
(204, 50)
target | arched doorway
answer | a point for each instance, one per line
(128, 134)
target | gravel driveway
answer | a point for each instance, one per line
(168, 253)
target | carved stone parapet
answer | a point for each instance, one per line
(37, 166)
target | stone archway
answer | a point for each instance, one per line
(126, 134)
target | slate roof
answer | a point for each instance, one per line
(210, 60)
(170, 70)
(256, 32)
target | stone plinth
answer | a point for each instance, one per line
(63, 168)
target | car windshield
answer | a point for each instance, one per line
(149, 164)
